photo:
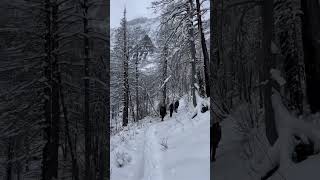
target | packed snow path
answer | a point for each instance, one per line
(152, 156)
(177, 148)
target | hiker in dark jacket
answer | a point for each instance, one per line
(176, 105)
(215, 137)
(171, 109)
(162, 111)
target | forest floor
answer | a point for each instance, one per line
(177, 148)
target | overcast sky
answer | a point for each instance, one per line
(135, 9)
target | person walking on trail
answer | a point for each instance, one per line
(162, 111)
(171, 109)
(215, 137)
(176, 105)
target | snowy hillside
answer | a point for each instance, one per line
(150, 25)
(177, 148)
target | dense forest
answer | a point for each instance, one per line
(54, 74)
(77, 96)
(158, 60)
(265, 70)
(160, 92)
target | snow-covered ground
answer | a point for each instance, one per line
(232, 163)
(177, 148)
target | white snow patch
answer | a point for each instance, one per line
(165, 81)
(276, 75)
(186, 157)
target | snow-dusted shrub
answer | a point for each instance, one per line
(164, 144)
(248, 125)
(122, 159)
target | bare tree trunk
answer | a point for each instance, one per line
(267, 27)
(27, 147)
(204, 50)
(102, 159)
(52, 106)
(311, 47)
(9, 160)
(55, 90)
(47, 93)
(292, 71)
(75, 168)
(192, 51)
(164, 74)
(214, 53)
(18, 169)
(87, 123)
(288, 38)
(137, 88)
(95, 146)
(125, 74)
(105, 142)
(132, 108)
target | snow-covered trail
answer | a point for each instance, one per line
(152, 156)
(186, 156)
(229, 163)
